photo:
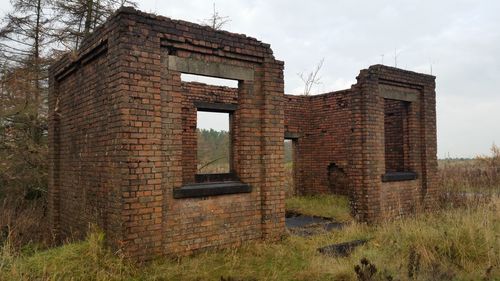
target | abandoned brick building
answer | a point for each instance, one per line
(122, 129)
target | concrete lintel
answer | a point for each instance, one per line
(215, 107)
(291, 135)
(398, 95)
(212, 69)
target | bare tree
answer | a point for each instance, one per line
(396, 55)
(311, 79)
(216, 21)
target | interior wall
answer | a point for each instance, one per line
(322, 125)
(348, 140)
(396, 135)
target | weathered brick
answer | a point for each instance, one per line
(122, 138)
(345, 141)
(130, 148)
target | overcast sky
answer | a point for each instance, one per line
(459, 39)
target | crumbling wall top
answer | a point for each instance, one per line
(172, 34)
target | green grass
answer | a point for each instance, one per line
(456, 244)
(331, 206)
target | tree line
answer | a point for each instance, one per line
(213, 150)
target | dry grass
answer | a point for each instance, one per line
(479, 175)
(22, 222)
(459, 244)
(470, 181)
(449, 244)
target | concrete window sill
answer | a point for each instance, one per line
(211, 189)
(399, 176)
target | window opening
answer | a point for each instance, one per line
(213, 142)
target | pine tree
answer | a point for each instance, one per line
(28, 36)
(79, 18)
(24, 37)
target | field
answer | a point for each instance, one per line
(459, 241)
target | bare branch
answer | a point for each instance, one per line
(216, 21)
(311, 79)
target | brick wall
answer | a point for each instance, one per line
(396, 135)
(121, 128)
(84, 126)
(322, 123)
(399, 198)
(122, 138)
(348, 140)
(84, 136)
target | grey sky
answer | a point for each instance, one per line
(460, 39)
(212, 120)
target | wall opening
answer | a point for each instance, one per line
(289, 167)
(215, 81)
(213, 142)
(396, 136)
(208, 145)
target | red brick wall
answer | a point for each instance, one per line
(121, 138)
(297, 112)
(323, 124)
(374, 199)
(347, 140)
(84, 132)
(219, 221)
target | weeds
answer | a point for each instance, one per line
(365, 271)
(479, 176)
(23, 221)
(413, 264)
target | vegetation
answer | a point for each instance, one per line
(216, 21)
(478, 176)
(288, 151)
(336, 207)
(311, 79)
(213, 151)
(32, 35)
(288, 169)
(452, 244)
(458, 242)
